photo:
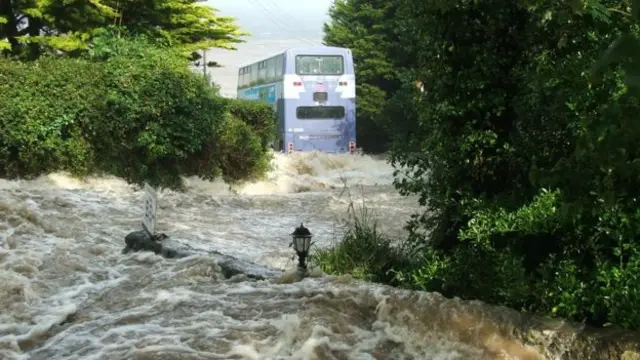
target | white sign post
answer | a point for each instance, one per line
(150, 208)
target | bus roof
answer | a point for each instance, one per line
(309, 50)
(318, 50)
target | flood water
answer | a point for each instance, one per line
(68, 292)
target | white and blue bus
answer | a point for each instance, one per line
(313, 91)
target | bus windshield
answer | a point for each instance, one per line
(319, 65)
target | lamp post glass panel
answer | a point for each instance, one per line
(301, 244)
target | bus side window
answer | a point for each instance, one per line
(245, 77)
(271, 70)
(262, 71)
(253, 79)
(279, 66)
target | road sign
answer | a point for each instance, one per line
(150, 208)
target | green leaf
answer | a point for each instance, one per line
(32, 12)
(5, 45)
(632, 80)
(623, 48)
(187, 24)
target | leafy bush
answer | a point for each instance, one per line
(164, 111)
(240, 151)
(260, 116)
(130, 108)
(43, 107)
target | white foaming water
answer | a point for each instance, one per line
(309, 171)
(69, 293)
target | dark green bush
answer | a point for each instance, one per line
(260, 116)
(237, 154)
(240, 151)
(164, 112)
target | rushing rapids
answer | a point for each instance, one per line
(69, 293)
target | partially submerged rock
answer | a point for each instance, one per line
(231, 266)
(143, 241)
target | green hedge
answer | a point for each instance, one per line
(43, 109)
(241, 151)
(260, 116)
(130, 109)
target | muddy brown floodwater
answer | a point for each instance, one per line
(68, 292)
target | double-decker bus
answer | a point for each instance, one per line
(313, 91)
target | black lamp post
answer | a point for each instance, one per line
(301, 243)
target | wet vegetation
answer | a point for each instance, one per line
(364, 251)
(89, 97)
(516, 124)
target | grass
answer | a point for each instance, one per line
(363, 252)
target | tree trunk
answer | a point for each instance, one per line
(10, 29)
(34, 28)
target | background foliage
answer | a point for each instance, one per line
(368, 29)
(29, 28)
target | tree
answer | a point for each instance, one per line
(625, 50)
(527, 168)
(522, 161)
(368, 29)
(28, 27)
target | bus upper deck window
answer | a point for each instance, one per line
(319, 65)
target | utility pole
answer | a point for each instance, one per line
(204, 63)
